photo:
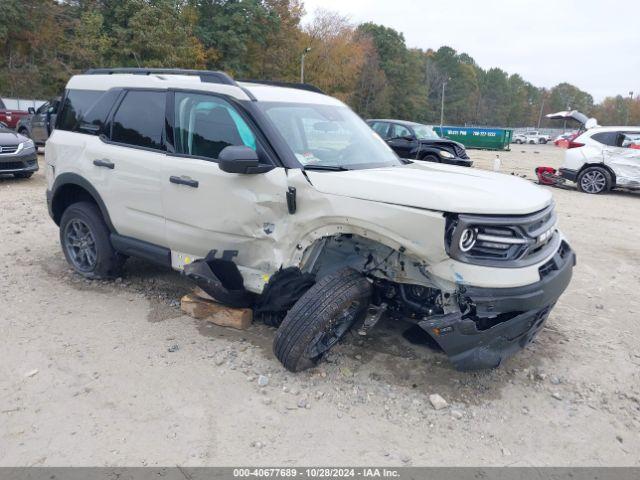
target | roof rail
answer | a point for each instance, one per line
(209, 76)
(275, 83)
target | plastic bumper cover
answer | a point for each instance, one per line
(22, 163)
(571, 175)
(526, 309)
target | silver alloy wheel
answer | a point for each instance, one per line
(81, 245)
(593, 181)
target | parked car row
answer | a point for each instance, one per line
(532, 137)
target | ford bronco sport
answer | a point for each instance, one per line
(284, 200)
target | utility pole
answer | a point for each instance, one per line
(540, 116)
(629, 107)
(444, 84)
(304, 54)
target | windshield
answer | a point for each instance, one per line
(425, 133)
(329, 136)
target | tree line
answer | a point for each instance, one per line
(369, 66)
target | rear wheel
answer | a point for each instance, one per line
(321, 317)
(543, 140)
(85, 242)
(594, 180)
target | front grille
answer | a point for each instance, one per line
(556, 262)
(460, 152)
(516, 241)
(9, 148)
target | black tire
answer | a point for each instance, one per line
(103, 261)
(431, 158)
(518, 141)
(321, 318)
(543, 141)
(594, 180)
(23, 175)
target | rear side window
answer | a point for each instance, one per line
(205, 124)
(76, 103)
(139, 120)
(95, 120)
(606, 138)
(630, 140)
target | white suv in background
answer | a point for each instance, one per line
(285, 201)
(603, 158)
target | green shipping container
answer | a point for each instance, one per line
(478, 137)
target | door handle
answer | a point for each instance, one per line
(189, 182)
(103, 162)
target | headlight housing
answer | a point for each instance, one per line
(28, 144)
(446, 154)
(502, 241)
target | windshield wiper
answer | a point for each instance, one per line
(330, 168)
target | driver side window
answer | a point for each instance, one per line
(398, 131)
(42, 108)
(205, 125)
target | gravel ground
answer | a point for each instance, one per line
(112, 374)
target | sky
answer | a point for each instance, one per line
(592, 44)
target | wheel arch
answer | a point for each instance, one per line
(70, 188)
(362, 250)
(601, 165)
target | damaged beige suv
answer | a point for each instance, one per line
(281, 199)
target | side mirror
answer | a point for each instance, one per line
(241, 159)
(31, 110)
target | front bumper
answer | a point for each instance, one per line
(461, 162)
(23, 162)
(504, 320)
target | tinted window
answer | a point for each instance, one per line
(43, 108)
(205, 124)
(606, 138)
(75, 104)
(139, 120)
(95, 120)
(381, 128)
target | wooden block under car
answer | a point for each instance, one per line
(213, 312)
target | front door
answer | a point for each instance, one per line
(238, 216)
(39, 124)
(402, 141)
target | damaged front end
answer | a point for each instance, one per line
(494, 323)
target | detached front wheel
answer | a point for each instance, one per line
(322, 316)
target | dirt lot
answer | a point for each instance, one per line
(111, 373)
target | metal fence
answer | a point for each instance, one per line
(21, 103)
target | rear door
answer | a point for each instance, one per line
(624, 158)
(238, 216)
(127, 165)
